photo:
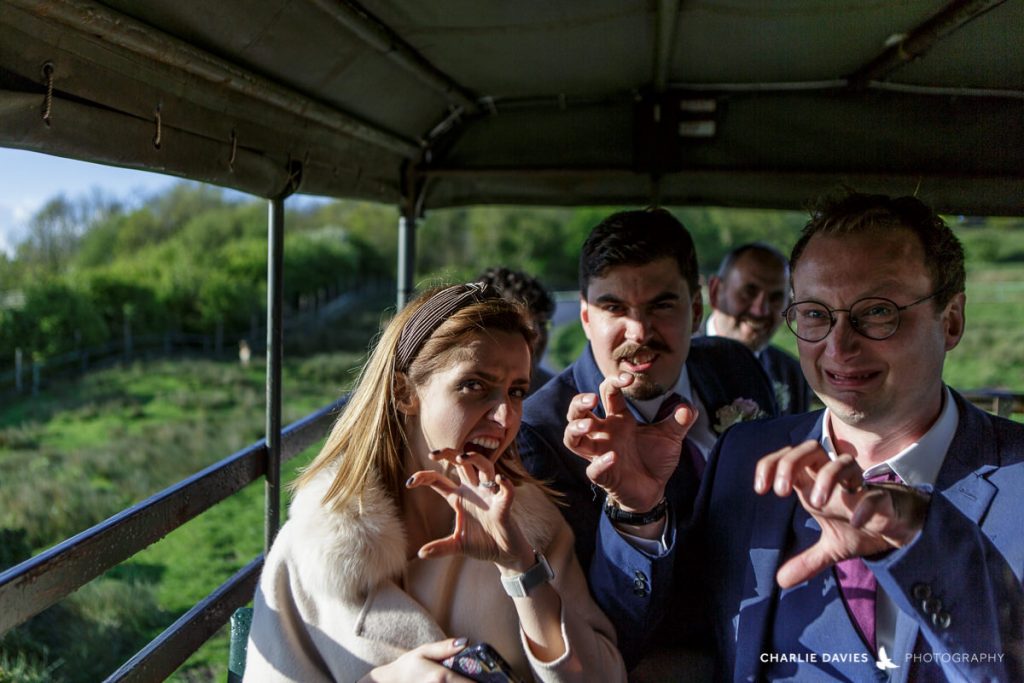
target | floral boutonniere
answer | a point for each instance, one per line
(740, 410)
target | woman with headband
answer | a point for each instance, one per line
(416, 528)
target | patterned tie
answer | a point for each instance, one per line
(858, 585)
(667, 408)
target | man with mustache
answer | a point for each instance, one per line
(640, 303)
(747, 297)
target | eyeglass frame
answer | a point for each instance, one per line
(849, 311)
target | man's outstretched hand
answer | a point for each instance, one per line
(632, 462)
(856, 519)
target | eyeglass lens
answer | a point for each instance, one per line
(874, 318)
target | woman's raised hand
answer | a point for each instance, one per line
(421, 664)
(482, 501)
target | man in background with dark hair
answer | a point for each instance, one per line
(516, 285)
(747, 296)
(901, 554)
(640, 303)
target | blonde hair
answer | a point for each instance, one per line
(368, 443)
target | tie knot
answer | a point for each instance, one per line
(884, 477)
(668, 406)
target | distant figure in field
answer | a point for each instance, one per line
(747, 296)
(244, 353)
(516, 285)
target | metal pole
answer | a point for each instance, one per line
(275, 339)
(406, 256)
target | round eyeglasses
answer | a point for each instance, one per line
(873, 317)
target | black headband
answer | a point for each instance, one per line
(425, 321)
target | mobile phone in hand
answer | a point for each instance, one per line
(482, 663)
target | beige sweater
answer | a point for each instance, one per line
(331, 604)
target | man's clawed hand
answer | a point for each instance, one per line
(856, 519)
(632, 462)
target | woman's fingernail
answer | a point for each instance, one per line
(759, 483)
(817, 498)
(410, 480)
(459, 642)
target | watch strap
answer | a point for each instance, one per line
(617, 514)
(520, 585)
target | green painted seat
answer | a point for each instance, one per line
(241, 621)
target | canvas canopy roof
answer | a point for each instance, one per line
(433, 103)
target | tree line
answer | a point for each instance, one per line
(193, 258)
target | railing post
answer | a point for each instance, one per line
(275, 339)
(406, 256)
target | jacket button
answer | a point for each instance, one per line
(921, 591)
(942, 620)
(931, 606)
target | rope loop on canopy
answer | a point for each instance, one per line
(159, 128)
(234, 150)
(48, 70)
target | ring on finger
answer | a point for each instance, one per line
(490, 484)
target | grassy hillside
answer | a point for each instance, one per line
(79, 452)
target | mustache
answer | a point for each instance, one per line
(630, 349)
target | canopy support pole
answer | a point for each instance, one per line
(275, 340)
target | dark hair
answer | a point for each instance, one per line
(516, 285)
(734, 255)
(856, 212)
(636, 238)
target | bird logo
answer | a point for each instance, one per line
(883, 662)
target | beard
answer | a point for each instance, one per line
(644, 387)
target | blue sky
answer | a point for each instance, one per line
(28, 180)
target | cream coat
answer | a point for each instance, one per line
(338, 597)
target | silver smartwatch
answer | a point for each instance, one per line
(520, 585)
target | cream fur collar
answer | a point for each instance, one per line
(350, 552)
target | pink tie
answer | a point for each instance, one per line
(858, 585)
(667, 408)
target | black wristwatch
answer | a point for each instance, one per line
(617, 514)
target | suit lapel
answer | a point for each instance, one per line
(962, 479)
(705, 382)
(773, 520)
(972, 455)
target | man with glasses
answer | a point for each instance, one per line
(900, 556)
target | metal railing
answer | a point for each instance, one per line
(997, 401)
(40, 582)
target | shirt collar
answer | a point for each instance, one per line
(920, 462)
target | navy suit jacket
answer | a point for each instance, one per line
(966, 564)
(720, 370)
(785, 370)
